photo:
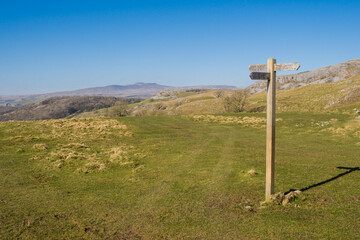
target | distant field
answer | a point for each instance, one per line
(179, 177)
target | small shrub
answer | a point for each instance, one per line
(236, 102)
(120, 109)
(160, 106)
(140, 112)
(219, 93)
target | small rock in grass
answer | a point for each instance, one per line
(252, 172)
(290, 197)
(249, 208)
(277, 198)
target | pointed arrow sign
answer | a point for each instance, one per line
(258, 68)
(278, 67)
(260, 76)
(287, 67)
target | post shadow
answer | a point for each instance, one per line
(349, 170)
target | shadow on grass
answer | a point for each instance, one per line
(349, 170)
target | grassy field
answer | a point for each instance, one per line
(179, 177)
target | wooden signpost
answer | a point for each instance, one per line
(271, 67)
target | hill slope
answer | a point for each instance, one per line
(328, 74)
(328, 89)
(333, 96)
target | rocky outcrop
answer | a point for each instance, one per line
(328, 74)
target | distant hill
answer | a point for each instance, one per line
(59, 107)
(140, 89)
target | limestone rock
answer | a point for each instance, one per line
(328, 74)
(282, 199)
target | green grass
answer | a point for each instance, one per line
(191, 184)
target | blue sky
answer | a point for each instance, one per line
(48, 46)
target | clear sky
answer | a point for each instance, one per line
(48, 46)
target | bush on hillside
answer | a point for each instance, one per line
(236, 102)
(120, 109)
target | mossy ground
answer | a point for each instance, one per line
(189, 179)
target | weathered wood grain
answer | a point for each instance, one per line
(260, 76)
(287, 67)
(258, 68)
(278, 67)
(270, 130)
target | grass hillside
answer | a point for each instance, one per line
(184, 103)
(341, 96)
(336, 96)
(179, 177)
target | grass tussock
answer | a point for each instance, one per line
(40, 146)
(255, 122)
(86, 145)
(350, 128)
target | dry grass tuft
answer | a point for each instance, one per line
(351, 128)
(79, 144)
(76, 146)
(255, 122)
(118, 154)
(92, 166)
(40, 146)
(84, 128)
(337, 131)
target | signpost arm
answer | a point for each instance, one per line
(270, 129)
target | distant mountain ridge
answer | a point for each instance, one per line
(140, 89)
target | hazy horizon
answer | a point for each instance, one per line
(40, 93)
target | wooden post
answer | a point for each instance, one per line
(270, 129)
(271, 67)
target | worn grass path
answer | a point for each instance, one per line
(192, 184)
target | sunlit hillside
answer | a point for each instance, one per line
(341, 96)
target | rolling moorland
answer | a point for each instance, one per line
(180, 167)
(330, 89)
(137, 90)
